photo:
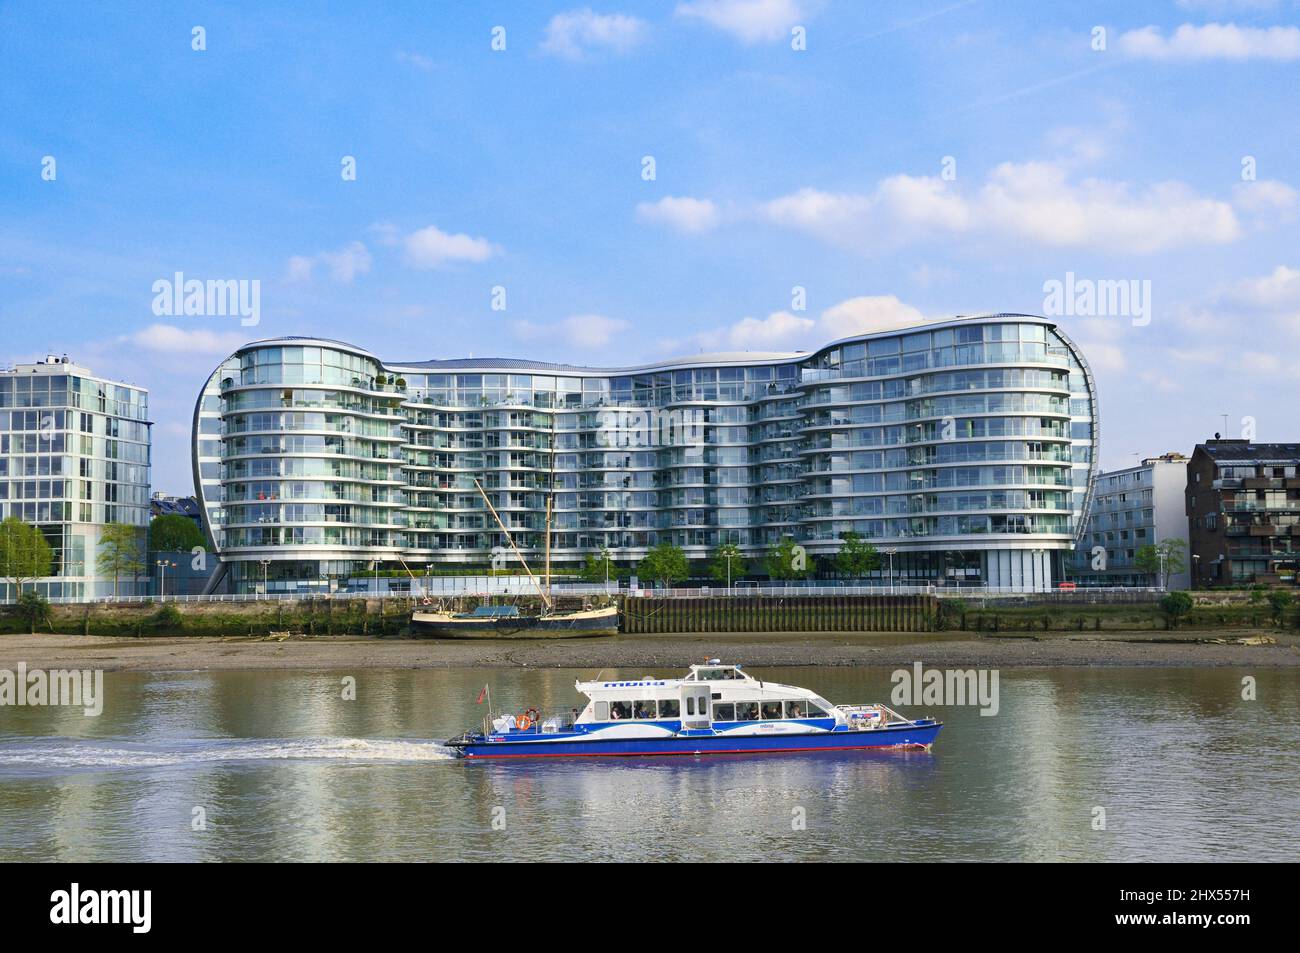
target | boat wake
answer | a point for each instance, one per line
(73, 753)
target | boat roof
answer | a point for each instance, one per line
(711, 671)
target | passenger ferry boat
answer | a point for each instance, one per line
(714, 709)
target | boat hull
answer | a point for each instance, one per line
(897, 736)
(593, 623)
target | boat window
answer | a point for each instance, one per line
(690, 704)
(670, 708)
(620, 710)
(771, 710)
(817, 711)
(602, 711)
(747, 711)
(710, 674)
(645, 709)
(724, 712)
(796, 710)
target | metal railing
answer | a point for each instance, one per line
(486, 586)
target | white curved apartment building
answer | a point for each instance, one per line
(966, 445)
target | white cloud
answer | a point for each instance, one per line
(868, 313)
(344, 265)
(1213, 41)
(573, 34)
(1279, 290)
(1033, 200)
(349, 261)
(578, 330)
(417, 60)
(1266, 201)
(750, 21)
(430, 247)
(169, 339)
(785, 331)
(683, 213)
(300, 267)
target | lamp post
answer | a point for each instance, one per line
(1196, 570)
(890, 553)
(162, 565)
(266, 565)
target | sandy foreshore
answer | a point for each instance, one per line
(195, 653)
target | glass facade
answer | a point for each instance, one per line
(74, 456)
(946, 441)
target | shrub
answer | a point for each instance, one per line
(1279, 601)
(35, 608)
(1175, 606)
(167, 617)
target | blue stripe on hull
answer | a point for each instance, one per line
(708, 744)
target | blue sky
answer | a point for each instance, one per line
(918, 158)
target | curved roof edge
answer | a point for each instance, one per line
(727, 357)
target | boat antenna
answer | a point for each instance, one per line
(546, 599)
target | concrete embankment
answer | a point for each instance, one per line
(1049, 613)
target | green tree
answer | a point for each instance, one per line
(174, 533)
(121, 552)
(1167, 556)
(787, 560)
(1279, 600)
(598, 568)
(727, 564)
(25, 554)
(856, 556)
(35, 608)
(1175, 606)
(665, 564)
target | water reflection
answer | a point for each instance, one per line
(284, 768)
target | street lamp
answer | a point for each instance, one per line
(890, 553)
(266, 565)
(162, 565)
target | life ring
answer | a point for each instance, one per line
(524, 723)
(530, 717)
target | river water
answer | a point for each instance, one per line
(1078, 764)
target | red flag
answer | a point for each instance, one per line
(481, 694)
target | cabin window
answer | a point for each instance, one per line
(747, 711)
(670, 708)
(817, 711)
(644, 710)
(690, 704)
(724, 712)
(602, 711)
(796, 710)
(619, 711)
(771, 710)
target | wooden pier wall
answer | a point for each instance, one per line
(910, 613)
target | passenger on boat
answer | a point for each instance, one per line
(643, 710)
(747, 711)
(771, 710)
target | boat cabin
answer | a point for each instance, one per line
(709, 695)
